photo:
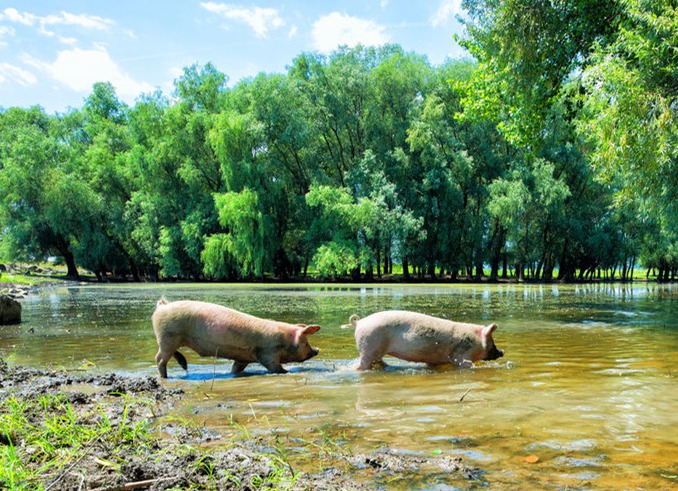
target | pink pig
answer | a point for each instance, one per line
(213, 330)
(417, 337)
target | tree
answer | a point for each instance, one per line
(334, 231)
(526, 52)
(37, 219)
(389, 230)
(617, 64)
(241, 251)
(99, 162)
(186, 168)
(629, 114)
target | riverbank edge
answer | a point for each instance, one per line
(127, 436)
(33, 283)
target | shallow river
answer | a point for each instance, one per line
(586, 396)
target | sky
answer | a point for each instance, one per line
(52, 52)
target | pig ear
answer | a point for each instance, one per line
(308, 330)
(488, 330)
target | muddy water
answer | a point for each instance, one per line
(586, 396)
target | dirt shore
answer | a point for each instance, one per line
(170, 453)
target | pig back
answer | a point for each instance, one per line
(395, 322)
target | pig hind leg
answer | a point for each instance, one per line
(161, 360)
(371, 353)
(181, 359)
(371, 363)
(371, 359)
(164, 356)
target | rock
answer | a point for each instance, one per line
(17, 292)
(10, 310)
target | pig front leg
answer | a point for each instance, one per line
(462, 355)
(271, 362)
(239, 366)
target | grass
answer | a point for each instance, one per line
(43, 438)
(20, 279)
(45, 441)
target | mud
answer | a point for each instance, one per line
(183, 455)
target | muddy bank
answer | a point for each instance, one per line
(127, 438)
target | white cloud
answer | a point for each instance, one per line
(13, 15)
(447, 10)
(41, 23)
(68, 40)
(335, 29)
(5, 31)
(261, 20)
(83, 20)
(14, 73)
(79, 69)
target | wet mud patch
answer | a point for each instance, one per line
(61, 431)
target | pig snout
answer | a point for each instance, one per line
(312, 352)
(494, 353)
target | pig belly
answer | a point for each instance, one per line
(221, 350)
(419, 354)
(222, 341)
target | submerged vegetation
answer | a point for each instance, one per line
(552, 155)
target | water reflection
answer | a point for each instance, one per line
(587, 384)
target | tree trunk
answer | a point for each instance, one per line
(70, 264)
(520, 271)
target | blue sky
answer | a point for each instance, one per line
(51, 52)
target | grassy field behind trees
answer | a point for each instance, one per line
(552, 154)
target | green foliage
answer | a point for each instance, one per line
(629, 113)
(546, 155)
(242, 249)
(608, 70)
(526, 50)
(335, 259)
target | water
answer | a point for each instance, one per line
(588, 385)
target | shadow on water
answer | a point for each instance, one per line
(584, 398)
(219, 374)
(396, 367)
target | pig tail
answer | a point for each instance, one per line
(352, 321)
(162, 301)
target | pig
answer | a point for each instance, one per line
(412, 336)
(213, 330)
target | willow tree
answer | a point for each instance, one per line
(240, 252)
(41, 209)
